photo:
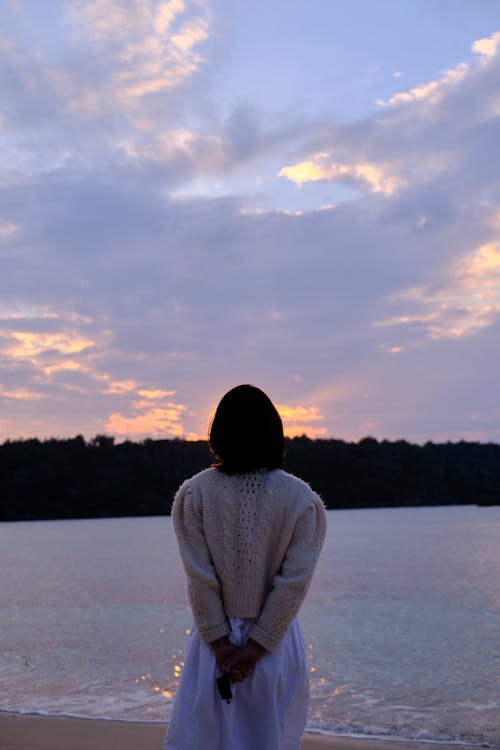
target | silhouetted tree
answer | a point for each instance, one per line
(77, 479)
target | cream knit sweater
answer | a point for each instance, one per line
(249, 544)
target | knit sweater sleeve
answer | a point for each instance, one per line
(289, 586)
(203, 585)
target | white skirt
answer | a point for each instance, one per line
(268, 710)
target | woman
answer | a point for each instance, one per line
(249, 535)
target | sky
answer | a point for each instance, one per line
(300, 195)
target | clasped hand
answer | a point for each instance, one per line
(237, 661)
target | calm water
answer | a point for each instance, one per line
(402, 622)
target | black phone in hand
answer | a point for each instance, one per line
(224, 686)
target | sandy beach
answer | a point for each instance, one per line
(25, 732)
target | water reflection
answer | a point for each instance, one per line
(402, 623)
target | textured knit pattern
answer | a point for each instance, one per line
(249, 544)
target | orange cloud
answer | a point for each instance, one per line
(159, 420)
(488, 47)
(121, 386)
(154, 394)
(322, 169)
(483, 264)
(297, 430)
(299, 413)
(27, 344)
(467, 301)
(297, 419)
(68, 365)
(20, 394)
(166, 407)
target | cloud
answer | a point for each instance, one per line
(321, 169)
(124, 96)
(438, 138)
(161, 419)
(148, 48)
(432, 91)
(121, 386)
(488, 47)
(7, 228)
(467, 300)
(154, 394)
(26, 345)
(299, 420)
(157, 421)
(129, 309)
(68, 365)
(19, 394)
(109, 88)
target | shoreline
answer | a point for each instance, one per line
(39, 732)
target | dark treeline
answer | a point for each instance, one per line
(78, 479)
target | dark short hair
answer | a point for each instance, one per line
(246, 432)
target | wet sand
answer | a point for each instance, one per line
(25, 732)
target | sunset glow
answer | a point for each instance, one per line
(370, 174)
(28, 345)
(302, 197)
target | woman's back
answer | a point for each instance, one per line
(249, 535)
(248, 523)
